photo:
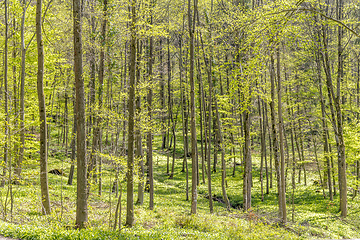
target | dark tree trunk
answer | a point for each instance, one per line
(81, 198)
(131, 110)
(45, 199)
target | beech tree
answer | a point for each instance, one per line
(131, 106)
(82, 194)
(45, 199)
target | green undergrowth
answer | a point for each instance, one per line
(179, 227)
(311, 217)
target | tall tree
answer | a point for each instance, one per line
(18, 167)
(149, 103)
(82, 196)
(281, 189)
(45, 199)
(131, 122)
(6, 105)
(337, 102)
(191, 22)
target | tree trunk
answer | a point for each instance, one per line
(138, 138)
(45, 199)
(282, 187)
(247, 162)
(335, 102)
(81, 198)
(131, 103)
(274, 133)
(7, 120)
(191, 21)
(169, 110)
(73, 149)
(149, 103)
(162, 94)
(101, 83)
(324, 122)
(18, 167)
(293, 182)
(262, 140)
(201, 113)
(223, 163)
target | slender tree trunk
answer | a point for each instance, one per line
(131, 103)
(191, 21)
(223, 164)
(201, 124)
(162, 93)
(92, 84)
(282, 187)
(81, 198)
(45, 199)
(210, 81)
(247, 162)
(18, 167)
(270, 145)
(73, 149)
(15, 154)
(149, 103)
(169, 110)
(174, 149)
(138, 138)
(101, 83)
(293, 182)
(274, 133)
(324, 124)
(265, 124)
(337, 101)
(7, 120)
(207, 151)
(301, 144)
(262, 140)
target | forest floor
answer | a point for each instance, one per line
(310, 217)
(6, 238)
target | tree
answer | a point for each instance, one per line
(282, 186)
(6, 105)
(149, 143)
(45, 199)
(191, 21)
(82, 195)
(131, 109)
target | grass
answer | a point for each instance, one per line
(315, 217)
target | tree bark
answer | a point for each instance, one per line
(337, 101)
(73, 149)
(149, 103)
(191, 21)
(323, 121)
(18, 167)
(336, 114)
(131, 106)
(247, 162)
(262, 140)
(45, 199)
(81, 198)
(138, 139)
(282, 187)
(6, 105)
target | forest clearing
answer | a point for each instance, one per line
(146, 119)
